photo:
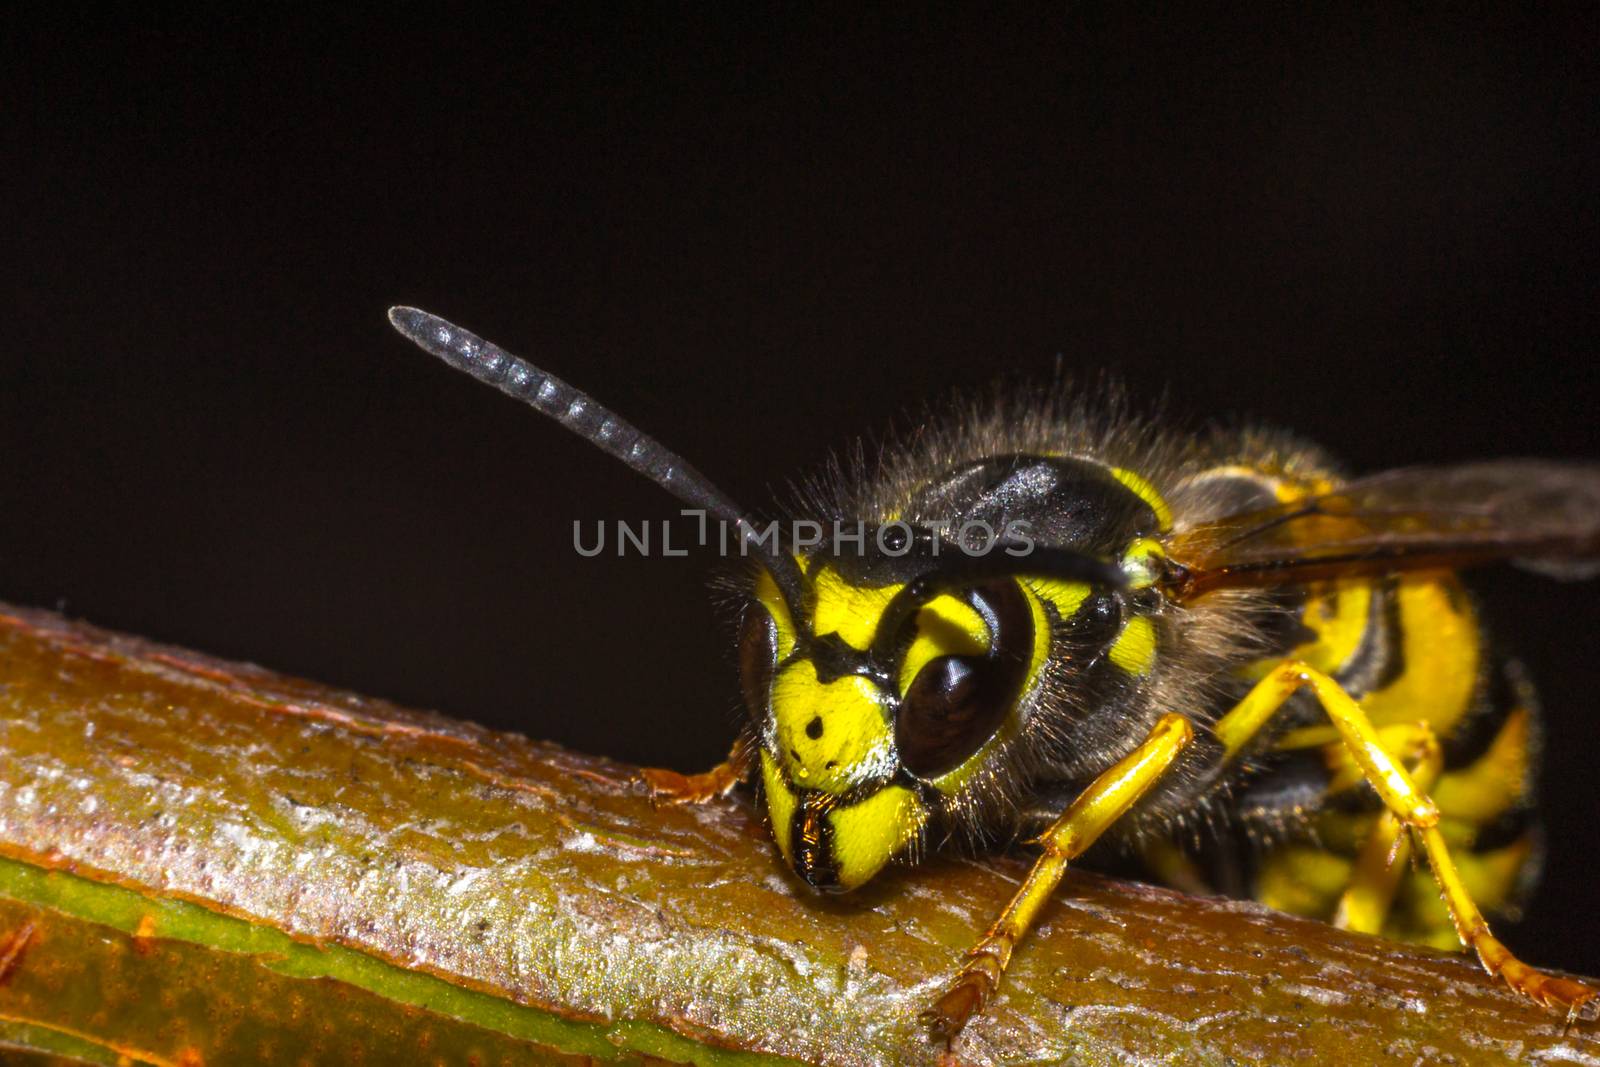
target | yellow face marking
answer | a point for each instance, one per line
(1146, 492)
(767, 593)
(869, 834)
(954, 780)
(837, 736)
(850, 611)
(1134, 650)
(945, 627)
(780, 805)
(1067, 597)
(830, 736)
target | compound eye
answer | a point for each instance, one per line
(758, 657)
(947, 714)
(957, 702)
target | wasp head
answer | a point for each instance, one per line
(880, 700)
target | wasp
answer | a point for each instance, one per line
(1249, 672)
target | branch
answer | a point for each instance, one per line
(203, 862)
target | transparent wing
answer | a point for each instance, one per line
(1544, 513)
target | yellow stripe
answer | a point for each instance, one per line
(1135, 648)
(1484, 791)
(1141, 562)
(1146, 492)
(1440, 646)
(1338, 616)
(1066, 597)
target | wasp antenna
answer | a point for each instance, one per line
(591, 420)
(574, 409)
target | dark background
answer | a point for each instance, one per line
(757, 240)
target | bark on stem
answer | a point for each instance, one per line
(301, 872)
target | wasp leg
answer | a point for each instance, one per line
(671, 787)
(1410, 805)
(1543, 988)
(1097, 807)
(1382, 861)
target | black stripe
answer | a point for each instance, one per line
(1379, 657)
(1507, 829)
(1286, 794)
(1395, 663)
(1508, 689)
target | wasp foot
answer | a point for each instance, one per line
(1580, 1001)
(670, 787)
(963, 998)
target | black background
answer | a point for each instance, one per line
(757, 239)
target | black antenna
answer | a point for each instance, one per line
(597, 424)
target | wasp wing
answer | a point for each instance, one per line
(1544, 513)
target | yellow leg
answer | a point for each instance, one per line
(1105, 801)
(1236, 728)
(1382, 861)
(671, 787)
(1409, 804)
(1543, 988)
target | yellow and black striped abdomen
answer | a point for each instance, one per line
(1414, 653)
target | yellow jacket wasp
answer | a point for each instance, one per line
(1253, 674)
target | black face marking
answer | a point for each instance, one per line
(833, 658)
(814, 727)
